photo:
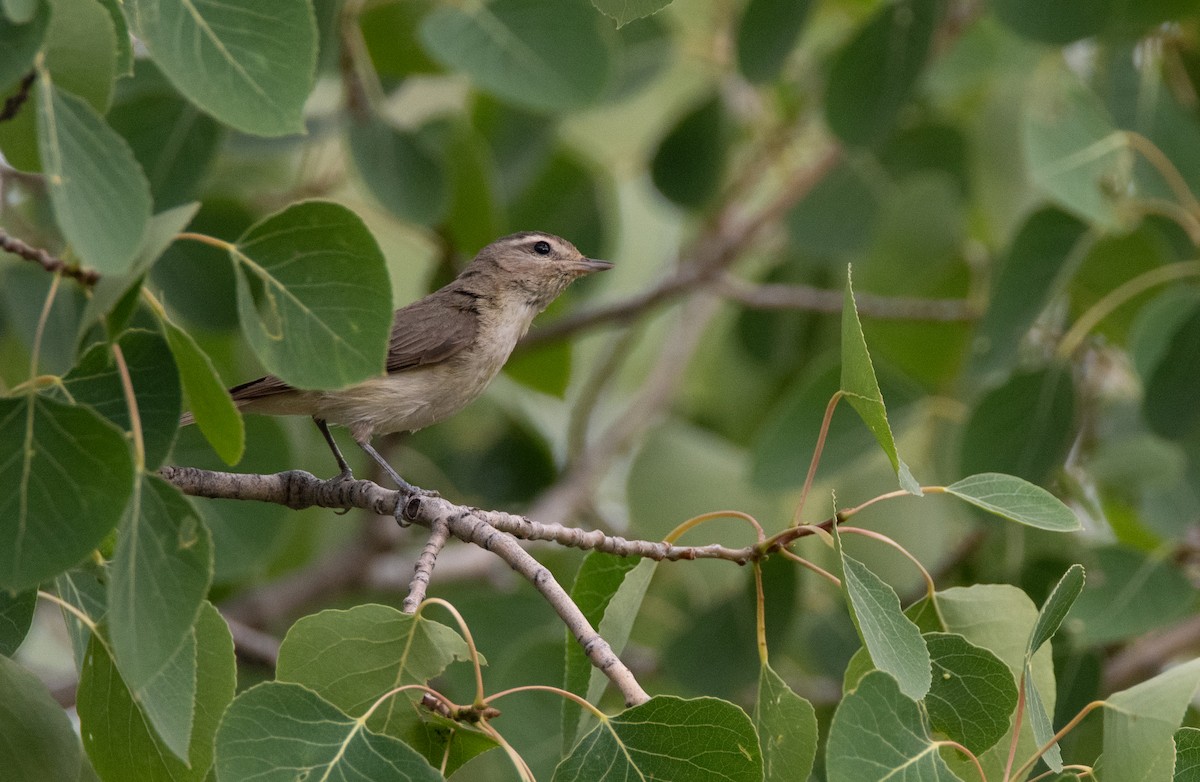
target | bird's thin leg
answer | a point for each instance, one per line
(346, 473)
(391, 472)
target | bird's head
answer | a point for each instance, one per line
(533, 264)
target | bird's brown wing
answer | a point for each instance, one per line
(432, 330)
(424, 332)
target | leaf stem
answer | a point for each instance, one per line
(78, 614)
(1120, 295)
(40, 331)
(1086, 710)
(760, 612)
(581, 701)
(929, 585)
(480, 701)
(820, 571)
(135, 418)
(816, 457)
(696, 521)
(970, 755)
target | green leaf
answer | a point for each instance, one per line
(247, 536)
(878, 734)
(84, 587)
(96, 381)
(846, 196)
(22, 39)
(626, 11)
(100, 196)
(1039, 722)
(787, 729)
(999, 618)
(1130, 593)
(408, 179)
(1040, 259)
(278, 732)
(124, 44)
(873, 75)
(1022, 428)
(68, 476)
(216, 415)
(160, 573)
(973, 696)
(120, 739)
(689, 165)
(314, 296)
(1140, 724)
(390, 32)
(215, 52)
(668, 738)
(82, 49)
(1171, 388)
(16, 615)
(609, 590)
(173, 141)
(542, 54)
(894, 642)
(113, 296)
(351, 658)
(767, 34)
(861, 389)
(39, 743)
(1056, 607)
(1074, 150)
(599, 577)
(1187, 755)
(1017, 500)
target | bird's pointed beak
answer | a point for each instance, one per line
(589, 265)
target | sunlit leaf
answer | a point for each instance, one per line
(1057, 606)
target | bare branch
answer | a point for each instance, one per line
(46, 260)
(423, 571)
(805, 297)
(13, 103)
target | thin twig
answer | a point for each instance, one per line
(13, 103)
(423, 570)
(47, 261)
(777, 296)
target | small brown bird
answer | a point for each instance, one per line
(444, 349)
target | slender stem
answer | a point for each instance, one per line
(396, 691)
(816, 457)
(80, 615)
(696, 521)
(466, 631)
(1086, 771)
(1120, 295)
(135, 418)
(929, 586)
(40, 331)
(1155, 157)
(820, 571)
(523, 769)
(1018, 717)
(211, 241)
(582, 702)
(1086, 710)
(760, 612)
(970, 755)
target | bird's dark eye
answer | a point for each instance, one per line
(542, 248)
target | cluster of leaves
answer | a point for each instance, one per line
(1034, 160)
